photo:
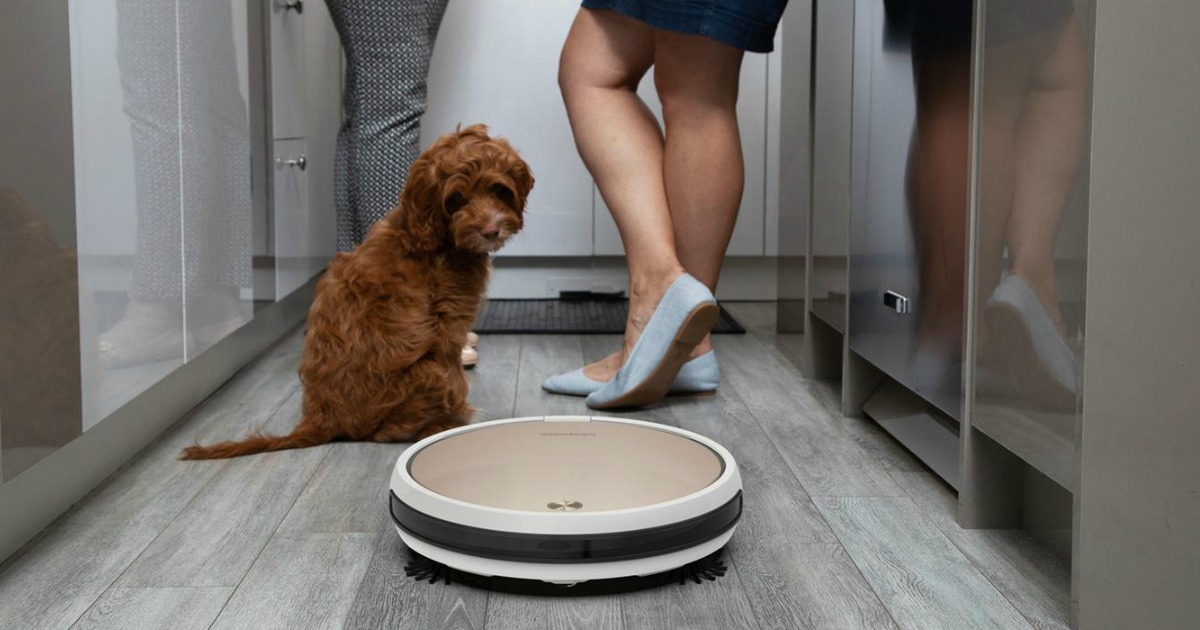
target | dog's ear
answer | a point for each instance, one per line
(523, 179)
(421, 222)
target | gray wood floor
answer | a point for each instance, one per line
(842, 527)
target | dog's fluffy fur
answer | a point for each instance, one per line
(382, 354)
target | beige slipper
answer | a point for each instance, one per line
(469, 357)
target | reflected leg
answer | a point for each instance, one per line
(217, 223)
(147, 56)
(938, 188)
(1049, 151)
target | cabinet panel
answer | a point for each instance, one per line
(39, 293)
(496, 62)
(748, 235)
(288, 36)
(832, 88)
(126, 89)
(911, 124)
(215, 173)
(298, 252)
(1032, 216)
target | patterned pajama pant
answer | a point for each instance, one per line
(388, 46)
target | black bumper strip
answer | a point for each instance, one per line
(567, 548)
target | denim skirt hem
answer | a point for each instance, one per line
(723, 20)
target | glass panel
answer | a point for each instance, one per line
(1032, 229)
(127, 147)
(39, 325)
(125, 205)
(911, 130)
(215, 170)
(162, 165)
(39, 307)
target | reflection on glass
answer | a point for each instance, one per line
(39, 340)
(1031, 226)
(941, 32)
(909, 181)
(163, 161)
(39, 305)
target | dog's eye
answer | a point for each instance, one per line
(455, 201)
(504, 194)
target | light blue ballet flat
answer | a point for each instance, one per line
(698, 376)
(1044, 366)
(682, 318)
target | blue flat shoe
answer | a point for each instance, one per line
(686, 313)
(698, 376)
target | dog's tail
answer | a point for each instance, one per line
(304, 435)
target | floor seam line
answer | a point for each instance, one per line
(271, 537)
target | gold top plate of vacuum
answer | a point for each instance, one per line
(541, 466)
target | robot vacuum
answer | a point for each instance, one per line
(565, 500)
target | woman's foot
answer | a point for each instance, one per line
(700, 375)
(644, 297)
(683, 316)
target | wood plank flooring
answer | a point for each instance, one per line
(842, 527)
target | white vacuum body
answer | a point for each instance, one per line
(566, 499)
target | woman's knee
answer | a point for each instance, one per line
(682, 105)
(696, 78)
(604, 52)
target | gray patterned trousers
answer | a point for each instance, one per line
(388, 45)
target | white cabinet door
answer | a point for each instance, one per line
(496, 62)
(323, 111)
(299, 251)
(287, 71)
(748, 235)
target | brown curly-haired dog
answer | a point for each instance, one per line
(382, 354)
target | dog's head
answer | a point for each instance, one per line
(467, 192)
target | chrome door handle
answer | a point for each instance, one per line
(295, 5)
(897, 302)
(300, 162)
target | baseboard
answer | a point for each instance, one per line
(35, 498)
(743, 278)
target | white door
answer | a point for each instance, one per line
(748, 237)
(496, 62)
(299, 254)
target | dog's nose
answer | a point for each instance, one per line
(491, 232)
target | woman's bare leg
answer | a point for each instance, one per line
(697, 82)
(605, 56)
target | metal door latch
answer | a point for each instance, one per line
(896, 302)
(300, 162)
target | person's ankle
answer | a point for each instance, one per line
(653, 283)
